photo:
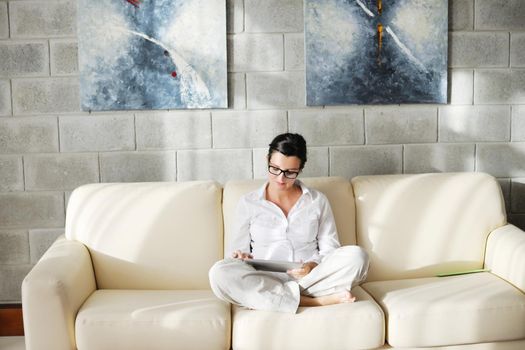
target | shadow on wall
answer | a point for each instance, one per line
(518, 201)
(505, 160)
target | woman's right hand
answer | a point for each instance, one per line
(240, 255)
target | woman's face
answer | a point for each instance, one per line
(290, 165)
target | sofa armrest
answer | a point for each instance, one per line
(53, 292)
(505, 254)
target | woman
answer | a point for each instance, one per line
(285, 220)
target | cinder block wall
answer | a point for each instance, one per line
(48, 147)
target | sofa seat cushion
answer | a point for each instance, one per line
(438, 311)
(138, 319)
(358, 325)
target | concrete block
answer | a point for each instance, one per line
(64, 56)
(173, 130)
(14, 248)
(518, 123)
(505, 190)
(255, 52)
(474, 123)
(294, 51)
(273, 16)
(12, 277)
(461, 86)
(517, 49)
(4, 22)
(247, 129)
(461, 15)
(517, 220)
(28, 134)
(517, 195)
(111, 132)
(24, 58)
(275, 90)
(316, 164)
(11, 174)
(366, 160)
(501, 159)
(218, 165)
(137, 166)
(431, 158)
(329, 127)
(234, 16)
(40, 240)
(5, 98)
(45, 95)
(386, 125)
(236, 90)
(60, 171)
(499, 86)
(260, 163)
(478, 49)
(36, 209)
(499, 14)
(40, 19)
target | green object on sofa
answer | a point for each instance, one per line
(455, 273)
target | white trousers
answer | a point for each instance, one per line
(236, 282)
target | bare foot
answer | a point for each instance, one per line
(336, 298)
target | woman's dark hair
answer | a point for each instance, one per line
(290, 145)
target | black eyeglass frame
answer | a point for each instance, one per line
(292, 175)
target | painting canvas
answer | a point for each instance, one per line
(152, 54)
(375, 51)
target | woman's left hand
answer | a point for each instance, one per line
(302, 271)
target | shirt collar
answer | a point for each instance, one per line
(262, 190)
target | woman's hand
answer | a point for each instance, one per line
(240, 255)
(302, 271)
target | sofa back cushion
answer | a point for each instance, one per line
(421, 225)
(149, 235)
(337, 190)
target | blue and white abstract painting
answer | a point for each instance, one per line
(376, 52)
(152, 54)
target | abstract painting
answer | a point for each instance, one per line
(376, 52)
(152, 54)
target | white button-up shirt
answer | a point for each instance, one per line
(307, 234)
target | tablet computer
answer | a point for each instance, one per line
(273, 265)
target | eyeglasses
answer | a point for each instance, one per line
(287, 173)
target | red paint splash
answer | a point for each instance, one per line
(174, 74)
(135, 3)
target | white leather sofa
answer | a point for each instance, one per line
(132, 270)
